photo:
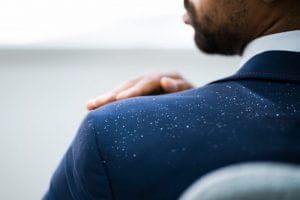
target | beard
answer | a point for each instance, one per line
(223, 39)
(218, 42)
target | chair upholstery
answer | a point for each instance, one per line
(249, 181)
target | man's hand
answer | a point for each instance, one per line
(146, 84)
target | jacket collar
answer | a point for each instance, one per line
(271, 65)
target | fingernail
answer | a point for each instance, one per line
(90, 104)
(171, 84)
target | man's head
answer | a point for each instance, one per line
(226, 26)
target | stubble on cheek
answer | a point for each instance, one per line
(217, 32)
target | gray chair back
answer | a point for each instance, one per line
(249, 181)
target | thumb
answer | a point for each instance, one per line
(174, 85)
(169, 84)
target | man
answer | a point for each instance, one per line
(154, 147)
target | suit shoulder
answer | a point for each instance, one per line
(143, 102)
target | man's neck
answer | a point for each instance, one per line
(274, 17)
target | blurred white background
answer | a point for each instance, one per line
(56, 54)
(93, 23)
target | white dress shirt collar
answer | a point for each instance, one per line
(285, 41)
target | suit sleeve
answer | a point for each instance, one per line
(81, 173)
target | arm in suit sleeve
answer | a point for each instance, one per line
(82, 172)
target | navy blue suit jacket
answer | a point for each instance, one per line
(154, 147)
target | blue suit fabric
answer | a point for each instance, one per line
(154, 147)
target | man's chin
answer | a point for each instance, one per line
(211, 47)
(204, 46)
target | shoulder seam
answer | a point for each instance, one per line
(104, 166)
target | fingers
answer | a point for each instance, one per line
(101, 100)
(170, 81)
(127, 84)
(171, 74)
(110, 96)
(143, 87)
(146, 84)
(149, 83)
(174, 85)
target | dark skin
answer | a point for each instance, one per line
(221, 27)
(227, 26)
